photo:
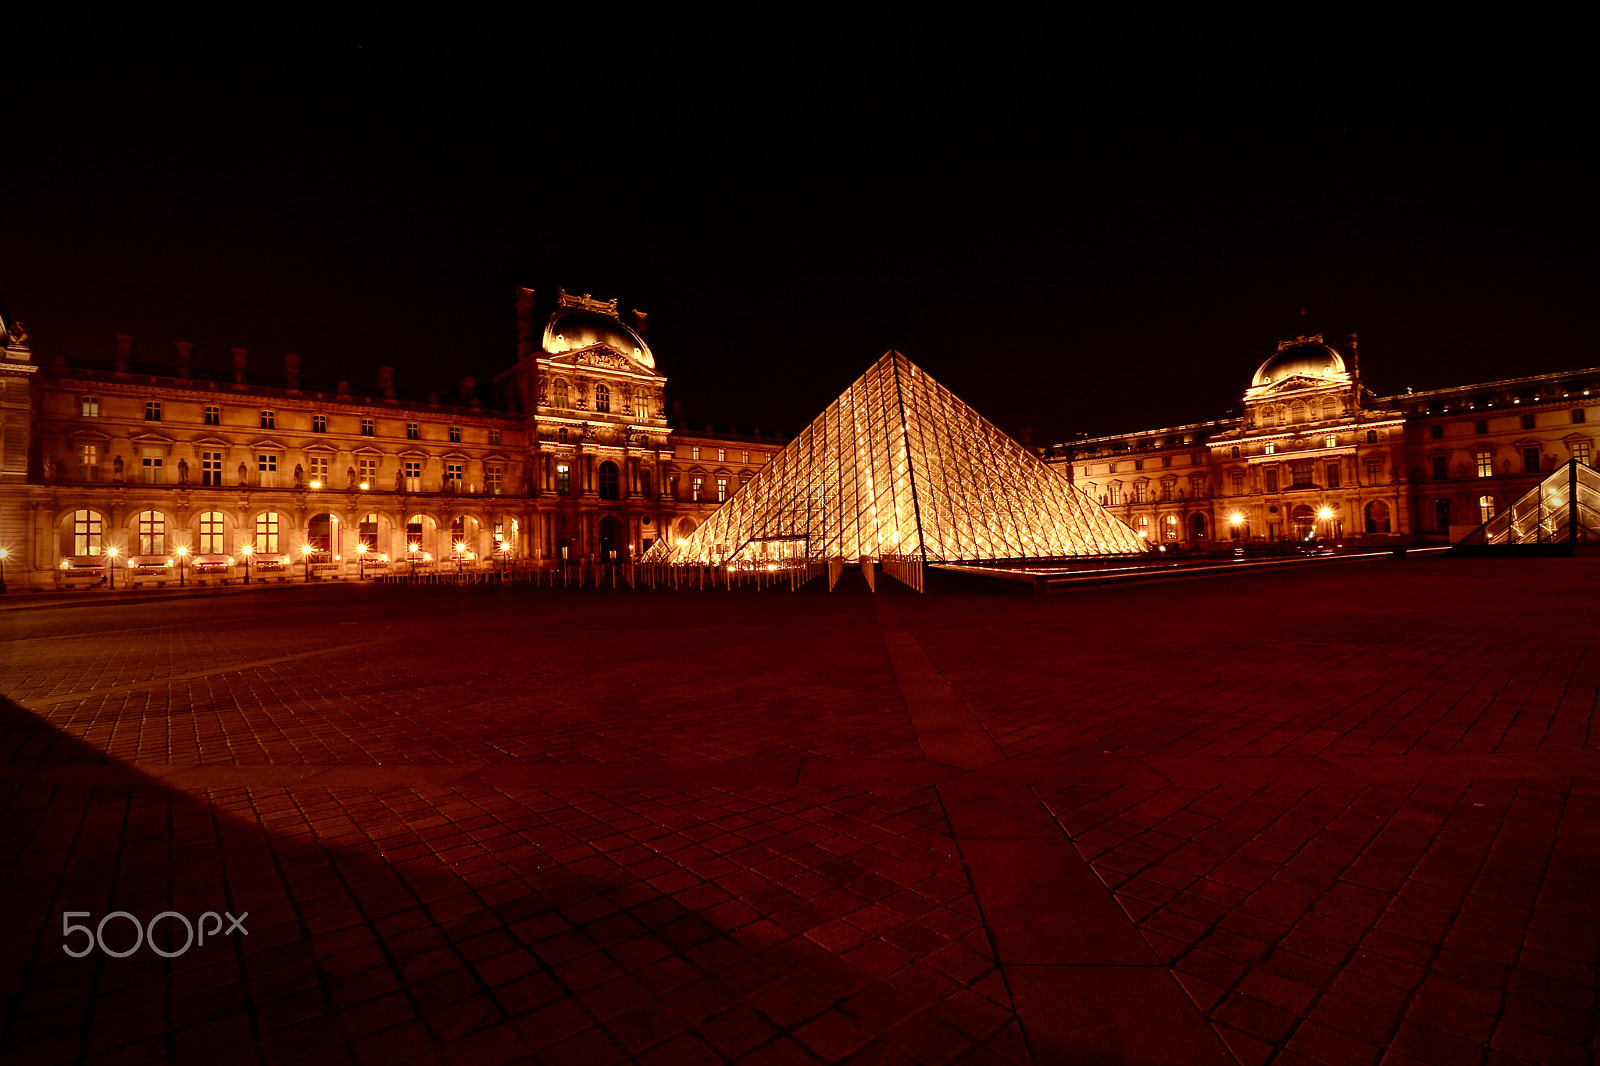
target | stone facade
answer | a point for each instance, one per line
(1316, 455)
(571, 459)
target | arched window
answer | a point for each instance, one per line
(1485, 508)
(602, 398)
(151, 527)
(267, 533)
(1268, 416)
(1330, 409)
(1169, 527)
(608, 480)
(86, 538)
(1141, 526)
(1197, 526)
(1441, 515)
(563, 396)
(1297, 412)
(211, 534)
(641, 406)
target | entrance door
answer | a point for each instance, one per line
(1305, 522)
(611, 543)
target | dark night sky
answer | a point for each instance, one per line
(1079, 222)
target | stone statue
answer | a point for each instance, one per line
(399, 481)
(244, 475)
(299, 476)
(49, 468)
(116, 468)
(352, 474)
(183, 471)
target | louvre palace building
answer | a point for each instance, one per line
(566, 456)
(1316, 455)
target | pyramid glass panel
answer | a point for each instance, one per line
(1565, 506)
(897, 465)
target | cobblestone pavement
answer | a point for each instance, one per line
(1341, 814)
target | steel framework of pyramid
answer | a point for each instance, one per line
(1565, 506)
(898, 466)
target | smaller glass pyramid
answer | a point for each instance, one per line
(1564, 507)
(898, 466)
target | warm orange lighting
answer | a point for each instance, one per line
(361, 549)
(183, 549)
(1235, 518)
(5, 553)
(305, 549)
(246, 550)
(365, 486)
(112, 552)
(1325, 514)
(316, 484)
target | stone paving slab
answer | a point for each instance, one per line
(1347, 816)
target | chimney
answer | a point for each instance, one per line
(239, 356)
(386, 383)
(433, 399)
(183, 349)
(124, 353)
(639, 323)
(469, 398)
(291, 370)
(344, 390)
(677, 411)
(524, 323)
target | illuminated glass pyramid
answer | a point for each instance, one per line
(898, 466)
(1564, 507)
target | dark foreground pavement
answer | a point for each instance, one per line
(1341, 815)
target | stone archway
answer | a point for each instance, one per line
(613, 541)
(1304, 520)
(1376, 516)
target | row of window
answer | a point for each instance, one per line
(1579, 416)
(150, 533)
(153, 470)
(90, 406)
(722, 454)
(602, 400)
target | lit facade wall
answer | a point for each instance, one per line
(1316, 454)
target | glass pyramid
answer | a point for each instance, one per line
(898, 466)
(1564, 507)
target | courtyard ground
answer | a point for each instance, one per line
(1342, 814)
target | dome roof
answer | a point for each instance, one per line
(1300, 358)
(572, 328)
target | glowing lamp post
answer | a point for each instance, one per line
(245, 551)
(305, 554)
(183, 553)
(5, 553)
(111, 567)
(361, 560)
(411, 555)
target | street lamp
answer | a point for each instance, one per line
(5, 553)
(245, 551)
(361, 560)
(111, 567)
(305, 554)
(183, 552)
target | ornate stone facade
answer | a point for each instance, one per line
(1317, 455)
(572, 459)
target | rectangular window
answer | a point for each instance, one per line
(152, 533)
(1138, 492)
(319, 423)
(1485, 461)
(1441, 466)
(1271, 447)
(1330, 441)
(1436, 431)
(494, 437)
(369, 428)
(269, 420)
(1271, 475)
(1114, 494)
(1301, 472)
(694, 453)
(1578, 415)
(267, 470)
(91, 407)
(1527, 421)
(491, 480)
(1332, 472)
(1530, 460)
(694, 492)
(318, 474)
(211, 534)
(152, 411)
(267, 533)
(641, 408)
(722, 489)
(213, 415)
(1196, 486)
(86, 533)
(1374, 471)
(1166, 460)
(367, 533)
(1372, 436)
(152, 468)
(367, 472)
(722, 455)
(1111, 468)
(1138, 464)
(1481, 426)
(413, 475)
(455, 434)
(1580, 451)
(89, 462)
(563, 479)
(744, 457)
(413, 431)
(1166, 490)
(1236, 482)
(211, 469)
(452, 476)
